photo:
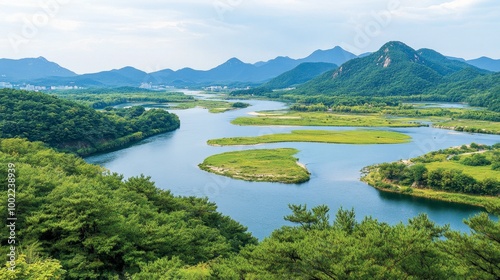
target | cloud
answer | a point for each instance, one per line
(90, 35)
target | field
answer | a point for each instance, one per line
(265, 165)
(340, 137)
(489, 127)
(324, 119)
(478, 172)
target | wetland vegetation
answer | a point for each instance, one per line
(263, 165)
(321, 136)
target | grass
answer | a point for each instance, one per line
(477, 172)
(322, 136)
(265, 165)
(470, 126)
(213, 106)
(324, 119)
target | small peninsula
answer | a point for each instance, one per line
(469, 174)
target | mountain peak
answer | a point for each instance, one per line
(395, 51)
(337, 55)
(234, 60)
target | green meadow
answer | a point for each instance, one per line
(265, 165)
(321, 136)
(324, 119)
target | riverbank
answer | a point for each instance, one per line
(475, 200)
(468, 174)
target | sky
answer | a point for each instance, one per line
(88, 36)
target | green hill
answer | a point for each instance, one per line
(98, 225)
(298, 75)
(72, 127)
(394, 70)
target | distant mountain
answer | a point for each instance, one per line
(234, 70)
(395, 69)
(486, 63)
(127, 76)
(26, 69)
(299, 75)
(39, 71)
(336, 56)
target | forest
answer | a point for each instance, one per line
(79, 221)
(77, 128)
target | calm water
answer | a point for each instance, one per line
(171, 160)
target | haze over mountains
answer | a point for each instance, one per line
(39, 71)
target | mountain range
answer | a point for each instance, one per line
(39, 71)
(395, 69)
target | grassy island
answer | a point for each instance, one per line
(324, 119)
(321, 136)
(213, 106)
(466, 174)
(265, 165)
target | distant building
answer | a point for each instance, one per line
(6, 85)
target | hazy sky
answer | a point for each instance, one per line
(95, 35)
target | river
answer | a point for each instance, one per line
(171, 160)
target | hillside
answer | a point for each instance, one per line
(97, 225)
(69, 126)
(395, 72)
(395, 69)
(298, 75)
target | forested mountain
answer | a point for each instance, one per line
(13, 70)
(298, 75)
(69, 126)
(395, 69)
(98, 225)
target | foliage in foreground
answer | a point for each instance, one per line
(348, 249)
(100, 226)
(76, 221)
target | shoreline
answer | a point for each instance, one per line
(460, 198)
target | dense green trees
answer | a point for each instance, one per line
(78, 221)
(98, 225)
(348, 249)
(76, 128)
